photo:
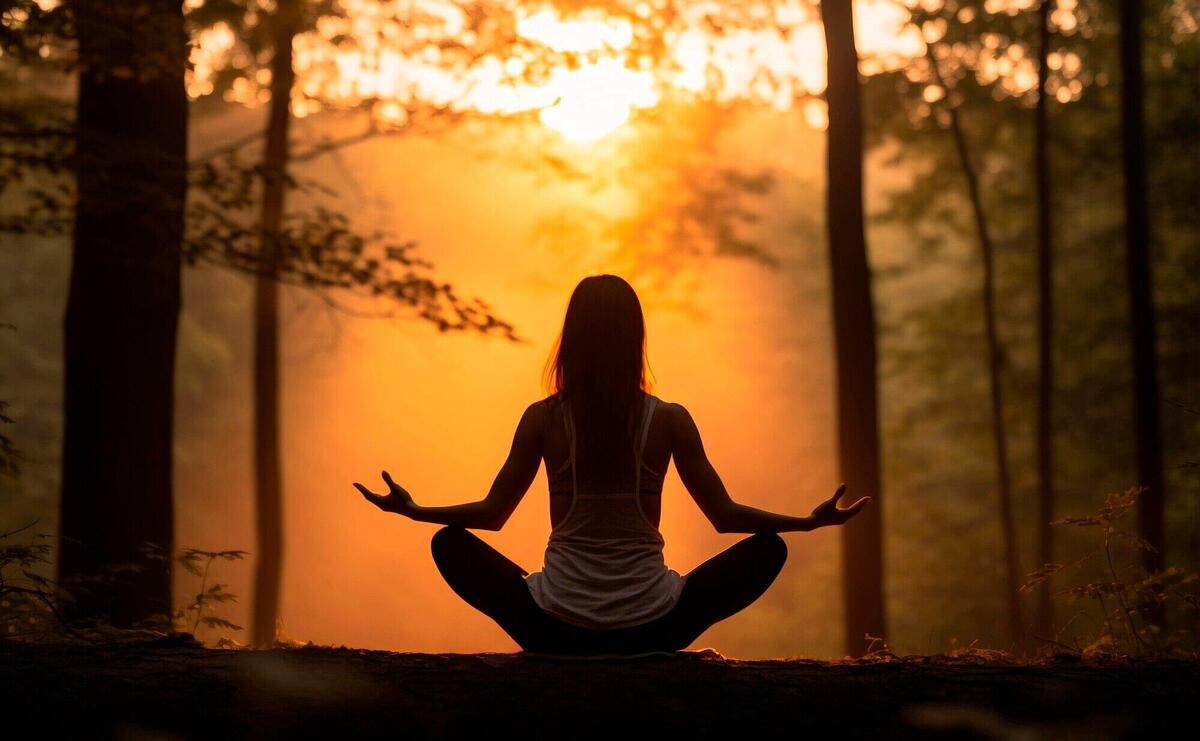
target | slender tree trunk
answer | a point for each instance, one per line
(1147, 426)
(268, 476)
(995, 363)
(122, 310)
(1044, 616)
(854, 333)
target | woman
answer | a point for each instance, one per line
(603, 587)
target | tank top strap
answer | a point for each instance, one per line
(571, 460)
(651, 400)
(569, 422)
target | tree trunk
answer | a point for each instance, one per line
(268, 477)
(995, 363)
(1044, 616)
(122, 310)
(854, 333)
(1147, 426)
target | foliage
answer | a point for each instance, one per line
(199, 611)
(32, 605)
(938, 454)
(1127, 596)
(27, 29)
(318, 249)
(28, 600)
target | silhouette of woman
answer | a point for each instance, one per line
(604, 587)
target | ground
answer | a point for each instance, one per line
(174, 688)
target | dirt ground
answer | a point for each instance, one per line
(176, 689)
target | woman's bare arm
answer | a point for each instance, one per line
(491, 512)
(726, 515)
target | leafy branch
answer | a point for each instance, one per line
(1128, 595)
(317, 249)
(199, 609)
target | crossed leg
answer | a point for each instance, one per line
(716, 589)
(724, 585)
(494, 585)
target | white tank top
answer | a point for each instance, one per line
(604, 567)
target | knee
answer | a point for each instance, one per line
(444, 541)
(773, 548)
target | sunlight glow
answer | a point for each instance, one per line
(584, 71)
(595, 100)
(589, 31)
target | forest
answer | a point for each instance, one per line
(943, 251)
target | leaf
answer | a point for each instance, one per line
(1040, 576)
(1079, 521)
(217, 593)
(36, 578)
(215, 622)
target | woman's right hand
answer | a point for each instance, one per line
(397, 500)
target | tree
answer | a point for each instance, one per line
(1142, 324)
(854, 333)
(995, 358)
(1044, 616)
(268, 469)
(122, 308)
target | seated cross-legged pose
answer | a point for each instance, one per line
(604, 587)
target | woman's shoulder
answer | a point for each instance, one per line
(549, 402)
(669, 408)
(672, 415)
(677, 422)
(544, 408)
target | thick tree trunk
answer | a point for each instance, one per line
(1147, 426)
(268, 475)
(995, 363)
(854, 334)
(122, 310)
(1043, 615)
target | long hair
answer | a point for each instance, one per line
(599, 369)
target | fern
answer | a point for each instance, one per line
(1125, 601)
(199, 610)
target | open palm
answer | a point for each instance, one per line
(397, 499)
(829, 513)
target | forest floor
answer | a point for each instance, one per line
(174, 688)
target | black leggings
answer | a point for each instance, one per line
(714, 590)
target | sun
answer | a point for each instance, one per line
(598, 97)
(596, 100)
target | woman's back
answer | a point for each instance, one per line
(603, 565)
(621, 475)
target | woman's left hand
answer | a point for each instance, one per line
(829, 513)
(397, 499)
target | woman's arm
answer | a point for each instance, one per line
(726, 515)
(491, 512)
